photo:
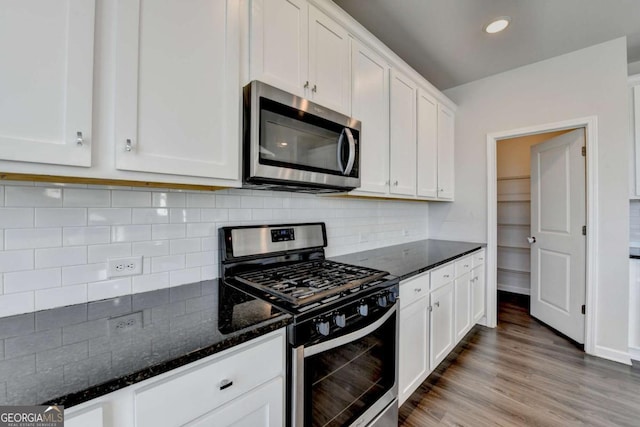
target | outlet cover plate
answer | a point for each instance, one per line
(127, 266)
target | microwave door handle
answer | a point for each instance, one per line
(339, 151)
(352, 151)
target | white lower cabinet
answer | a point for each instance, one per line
(225, 389)
(478, 288)
(414, 335)
(462, 298)
(442, 324)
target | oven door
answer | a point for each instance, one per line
(348, 380)
(297, 141)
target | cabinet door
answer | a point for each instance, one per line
(446, 124)
(442, 319)
(177, 103)
(370, 105)
(262, 407)
(477, 294)
(92, 417)
(636, 132)
(279, 44)
(403, 135)
(329, 62)
(413, 362)
(427, 168)
(462, 299)
(46, 81)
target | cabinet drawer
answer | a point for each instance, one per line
(413, 289)
(193, 393)
(464, 265)
(478, 258)
(441, 276)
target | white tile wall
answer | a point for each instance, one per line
(55, 240)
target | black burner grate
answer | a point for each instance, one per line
(310, 281)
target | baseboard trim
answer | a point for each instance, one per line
(611, 354)
(514, 289)
(634, 353)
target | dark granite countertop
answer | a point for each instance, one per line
(72, 354)
(409, 259)
(634, 253)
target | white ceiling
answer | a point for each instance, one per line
(444, 39)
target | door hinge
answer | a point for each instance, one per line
(584, 309)
(584, 230)
(584, 151)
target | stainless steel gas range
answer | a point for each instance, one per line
(343, 339)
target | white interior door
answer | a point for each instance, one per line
(558, 213)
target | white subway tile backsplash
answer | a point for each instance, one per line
(12, 304)
(168, 231)
(84, 273)
(150, 282)
(152, 248)
(201, 200)
(150, 216)
(60, 217)
(130, 199)
(16, 217)
(180, 215)
(183, 246)
(33, 197)
(86, 198)
(59, 297)
(168, 200)
(16, 260)
(130, 233)
(25, 238)
(31, 280)
(109, 289)
(62, 236)
(101, 253)
(109, 216)
(182, 277)
(60, 257)
(167, 263)
(75, 236)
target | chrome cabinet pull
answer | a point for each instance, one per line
(446, 276)
(395, 183)
(437, 304)
(314, 89)
(417, 290)
(306, 84)
(225, 384)
(466, 265)
(79, 139)
(128, 146)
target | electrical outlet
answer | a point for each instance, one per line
(129, 266)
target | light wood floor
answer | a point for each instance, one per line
(524, 374)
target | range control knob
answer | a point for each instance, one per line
(340, 320)
(323, 327)
(363, 309)
(391, 296)
(382, 300)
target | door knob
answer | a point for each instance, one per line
(531, 240)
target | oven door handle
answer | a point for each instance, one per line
(345, 339)
(352, 151)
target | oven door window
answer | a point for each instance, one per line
(296, 140)
(343, 382)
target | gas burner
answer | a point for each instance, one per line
(310, 281)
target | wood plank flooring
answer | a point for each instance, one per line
(524, 374)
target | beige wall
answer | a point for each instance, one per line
(514, 154)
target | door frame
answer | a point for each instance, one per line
(590, 125)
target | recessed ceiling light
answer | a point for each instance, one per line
(497, 25)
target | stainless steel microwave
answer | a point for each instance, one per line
(292, 144)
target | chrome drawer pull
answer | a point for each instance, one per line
(418, 290)
(225, 384)
(79, 139)
(446, 276)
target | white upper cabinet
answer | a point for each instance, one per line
(46, 81)
(446, 125)
(177, 102)
(370, 105)
(402, 154)
(279, 44)
(299, 49)
(427, 145)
